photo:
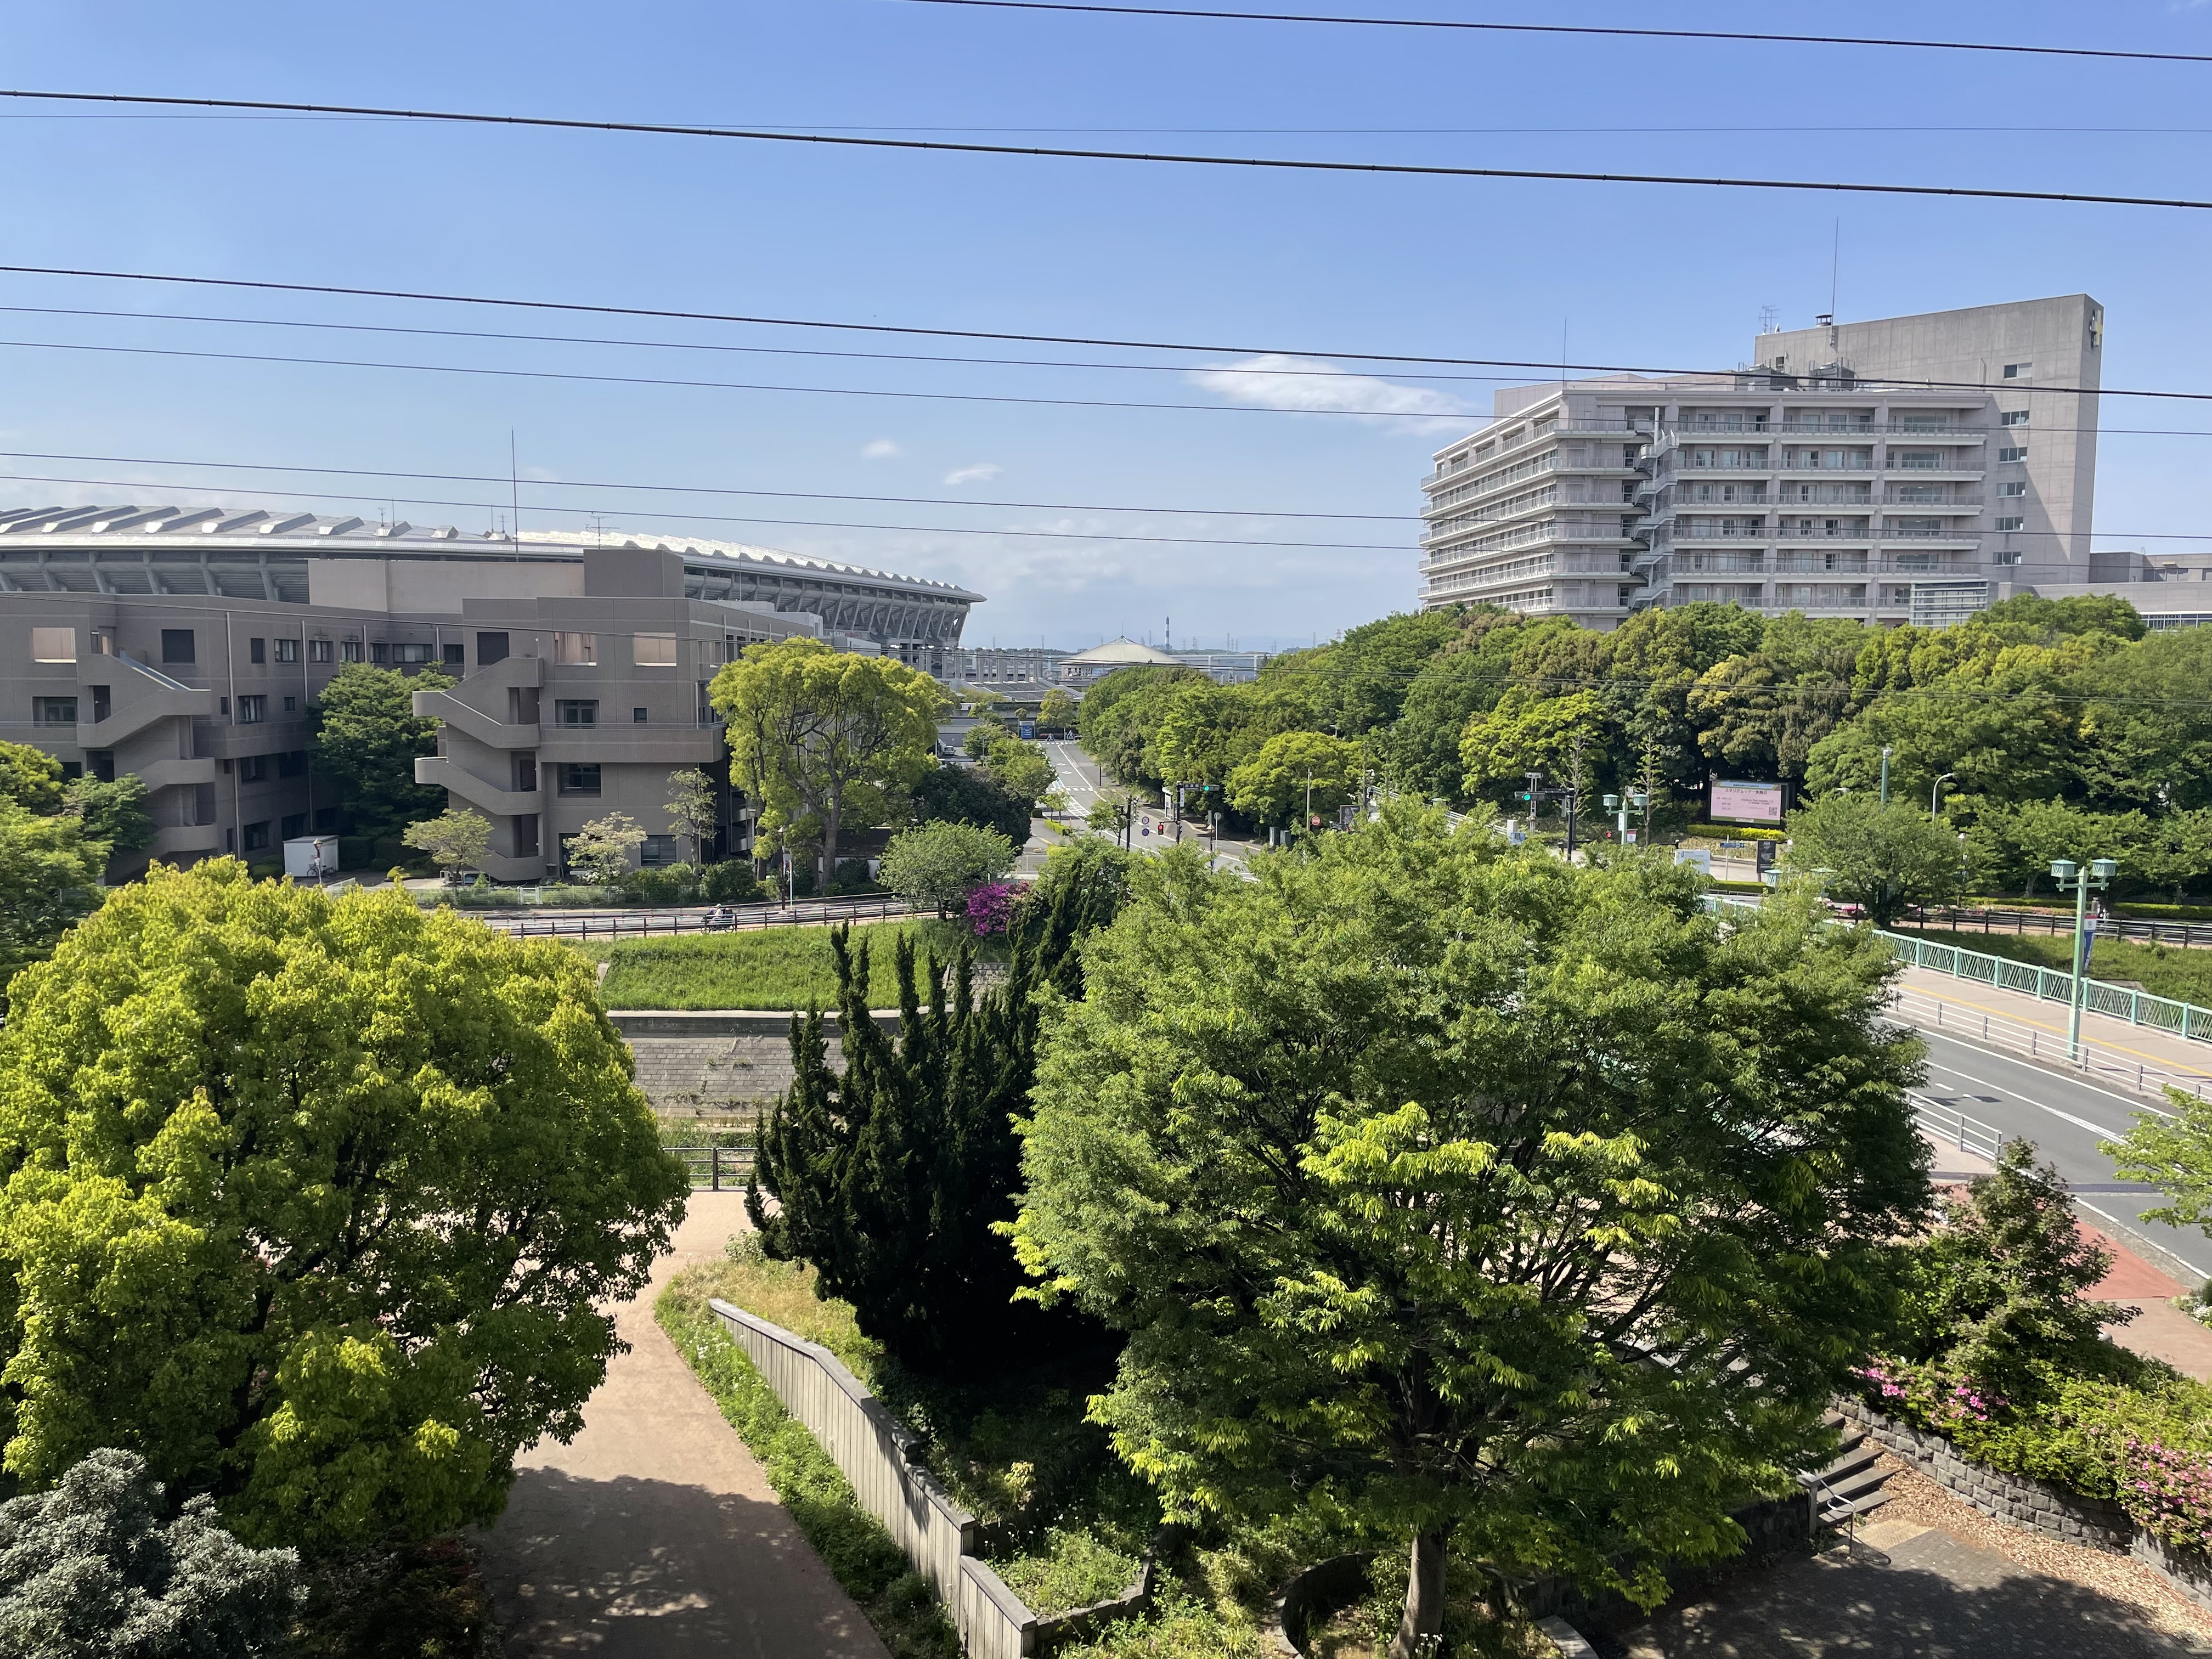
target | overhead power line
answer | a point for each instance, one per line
(1408, 169)
(689, 489)
(1903, 43)
(1552, 367)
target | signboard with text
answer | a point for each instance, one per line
(1748, 803)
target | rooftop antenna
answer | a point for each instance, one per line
(1168, 643)
(1769, 319)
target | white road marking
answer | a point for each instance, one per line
(2078, 1123)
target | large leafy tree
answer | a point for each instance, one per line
(1530, 733)
(1121, 717)
(823, 738)
(1356, 684)
(895, 1178)
(1458, 1192)
(1883, 859)
(50, 875)
(30, 777)
(116, 813)
(317, 1205)
(969, 794)
(937, 864)
(1209, 730)
(367, 738)
(1274, 786)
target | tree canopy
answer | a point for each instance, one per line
(1454, 1191)
(367, 738)
(317, 1205)
(937, 864)
(50, 875)
(1293, 768)
(969, 794)
(1883, 859)
(824, 739)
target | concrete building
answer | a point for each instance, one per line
(1084, 668)
(1806, 481)
(188, 648)
(1018, 670)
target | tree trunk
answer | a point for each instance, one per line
(1425, 1598)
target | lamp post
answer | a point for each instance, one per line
(1936, 793)
(2098, 875)
(1885, 775)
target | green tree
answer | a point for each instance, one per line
(1884, 859)
(897, 1178)
(1121, 717)
(30, 777)
(1275, 784)
(937, 864)
(50, 875)
(367, 738)
(1019, 769)
(99, 1568)
(1058, 712)
(601, 852)
(113, 812)
(1423, 747)
(456, 840)
(1454, 1192)
(1209, 731)
(319, 1205)
(1357, 683)
(692, 808)
(821, 740)
(1528, 732)
(969, 794)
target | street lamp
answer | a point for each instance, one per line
(2069, 874)
(1885, 775)
(1936, 793)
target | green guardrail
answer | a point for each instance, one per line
(2157, 1013)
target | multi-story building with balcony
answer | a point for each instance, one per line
(1813, 489)
(188, 648)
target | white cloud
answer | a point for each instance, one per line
(1302, 383)
(981, 472)
(882, 449)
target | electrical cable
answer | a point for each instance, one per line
(1547, 367)
(1405, 169)
(1578, 29)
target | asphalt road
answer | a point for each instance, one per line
(2066, 1119)
(1077, 777)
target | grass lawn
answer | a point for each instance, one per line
(774, 968)
(2166, 970)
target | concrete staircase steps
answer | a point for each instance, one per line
(1852, 1481)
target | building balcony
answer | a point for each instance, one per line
(184, 839)
(442, 772)
(633, 743)
(177, 774)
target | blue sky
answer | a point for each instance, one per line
(1274, 262)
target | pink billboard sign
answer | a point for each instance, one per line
(1747, 803)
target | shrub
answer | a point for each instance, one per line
(990, 908)
(732, 882)
(670, 883)
(851, 876)
(90, 1569)
(938, 864)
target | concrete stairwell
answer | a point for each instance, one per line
(1850, 1483)
(711, 1076)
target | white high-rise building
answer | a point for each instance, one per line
(1916, 469)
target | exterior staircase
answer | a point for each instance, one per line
(1851, 1482)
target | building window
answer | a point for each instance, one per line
(319, 650)
(2019, 371)
(253, 768)
(53, 644)
(349, 651)
(526, 775)
(1922, 460)
(577, 650)
(2019, 454)
(379, 654)
(256, 836)
(287, 650)
(2012, 417)
(576, 711)
(640, 716)
(294, 826)
(177, 644)
(252, 710)
(2014, 487)
(101, 762)
(455, 656)
(2010, 524)
(653, 650)
(658, 850)
(293, 764)
(53, 711)
(256, 651)
(490, 648)
(291, 705)
(580, 778)
(525, 835)
(412, 654)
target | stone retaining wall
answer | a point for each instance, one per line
(2097, 1523)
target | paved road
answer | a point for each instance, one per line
(653, 1535)
(1078, 775)
(2066, 1119)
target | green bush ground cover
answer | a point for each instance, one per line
(1021, 1457)
(777, 968)
(2166, 970)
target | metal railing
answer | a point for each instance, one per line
(1967, 919)
(716, 1169)
(1995, 1031)
(1953, 1127)
(2137, 1007)
(747, 917)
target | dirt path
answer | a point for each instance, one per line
(654, 1534)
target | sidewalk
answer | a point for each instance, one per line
(1967, 1001)
(654, 1534)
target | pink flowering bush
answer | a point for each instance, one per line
(990, 908)
(2168, 1491)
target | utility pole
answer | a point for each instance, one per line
(1308, 802)
(2099, 876)
(1936, 793)
(1884, 777)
